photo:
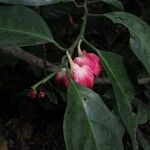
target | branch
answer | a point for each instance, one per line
(104, 80)
(36, 61)
(27, 57)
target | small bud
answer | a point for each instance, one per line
(32, 94)
(41, 94)
(61, 78)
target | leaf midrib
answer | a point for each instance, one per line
(113, 76)
(78, 95)
(119, 86)
(27, 33)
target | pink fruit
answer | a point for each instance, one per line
(61, 78)
(91, 60)
(81, 74)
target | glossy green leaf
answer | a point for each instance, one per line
(113, 64)
(21, 26)
(33, 2)
(123, 89)
(88, 123)
(139, 35)
(115, 3)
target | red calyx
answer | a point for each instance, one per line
(41, 94)
(33, 94)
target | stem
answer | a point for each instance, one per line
(43, 81)
(90, 45)
(68, 74)
(76, 4)
(69, 58)
(27, 57)
(63, 59)
(79, 48)
(80, 36)
(59, 46)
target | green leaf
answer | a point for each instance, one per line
(123, 89)
(21, 26)
(115, 3)
(113, 64)
(88, 123)
(33, 2)
(139, 35)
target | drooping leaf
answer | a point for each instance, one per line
(33, 2)
(115, 3)
(139, 35)
(21, 26)
(113, 64)
(124, 92)
(88, 123)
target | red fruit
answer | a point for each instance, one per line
(81, 74)
(91, 60)
(41, 94)
(61, 78)
(32, 94)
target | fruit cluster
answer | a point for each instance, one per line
(83, 69)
